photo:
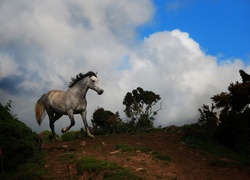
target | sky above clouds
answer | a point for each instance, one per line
(184, 50)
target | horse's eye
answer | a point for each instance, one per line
(93, 81)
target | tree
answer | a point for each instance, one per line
(234, 119)
(105, 121)
(208, 117)
(139, 107)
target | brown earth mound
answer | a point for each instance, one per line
(185, 162)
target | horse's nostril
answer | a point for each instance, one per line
(101, 91)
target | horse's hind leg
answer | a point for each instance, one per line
(52, 119)
(52, 127)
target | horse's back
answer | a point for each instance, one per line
(56, 100)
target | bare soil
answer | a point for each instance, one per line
(185, 163)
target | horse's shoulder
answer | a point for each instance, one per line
(55, 93)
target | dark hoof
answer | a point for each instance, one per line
(51, 137)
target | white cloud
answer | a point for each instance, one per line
(175, 5)
(49, 42)
(174, 66)
(8, 67)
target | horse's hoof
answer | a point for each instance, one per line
(91, 136)
(64, 130)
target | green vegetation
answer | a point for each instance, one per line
(159, 156)
(29, 171)
(127, 148)
(139, 111)
(108, 170)
(139, 107)
(68, 156)
(20, 146)
(105, 122)
(202, 139)
(226, 134)
(70, 135)
(133, 149)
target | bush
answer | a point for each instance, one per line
(46, 136)
(105, 121)
(19, 144)
(70, 135)
(198, 132)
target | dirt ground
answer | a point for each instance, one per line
(185, 163)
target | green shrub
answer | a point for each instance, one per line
(70, 135)
(45, 136)
(28, 171)
(19, 144)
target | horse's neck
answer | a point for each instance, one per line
(79, 89)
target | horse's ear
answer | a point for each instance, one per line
(96, 73)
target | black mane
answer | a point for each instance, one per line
(79, 77)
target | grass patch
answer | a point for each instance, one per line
(157, 155)
(91, 164)
(133, 149)
(127, 148)
(110, 170)
(68, 157)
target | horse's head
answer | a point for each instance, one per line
(94, 84)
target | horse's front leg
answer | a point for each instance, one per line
(84, 119)
(72, 123)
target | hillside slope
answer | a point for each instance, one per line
(183, 163)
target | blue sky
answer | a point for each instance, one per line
(184, 50)
(221, 27)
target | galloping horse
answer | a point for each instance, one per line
(73, 101)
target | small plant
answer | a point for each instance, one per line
(157, 155)
(125, 148)
(68, 156)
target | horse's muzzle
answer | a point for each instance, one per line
(100, 92)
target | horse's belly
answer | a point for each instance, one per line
(79, 110)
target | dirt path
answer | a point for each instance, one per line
(185, 163)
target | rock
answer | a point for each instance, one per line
(139, 169)
(65, 146)
(115, 152)
(83, 143)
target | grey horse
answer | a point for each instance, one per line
(73, 101)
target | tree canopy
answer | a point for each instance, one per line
(105, 121)
(139, 107)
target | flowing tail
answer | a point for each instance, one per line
(40, 109)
